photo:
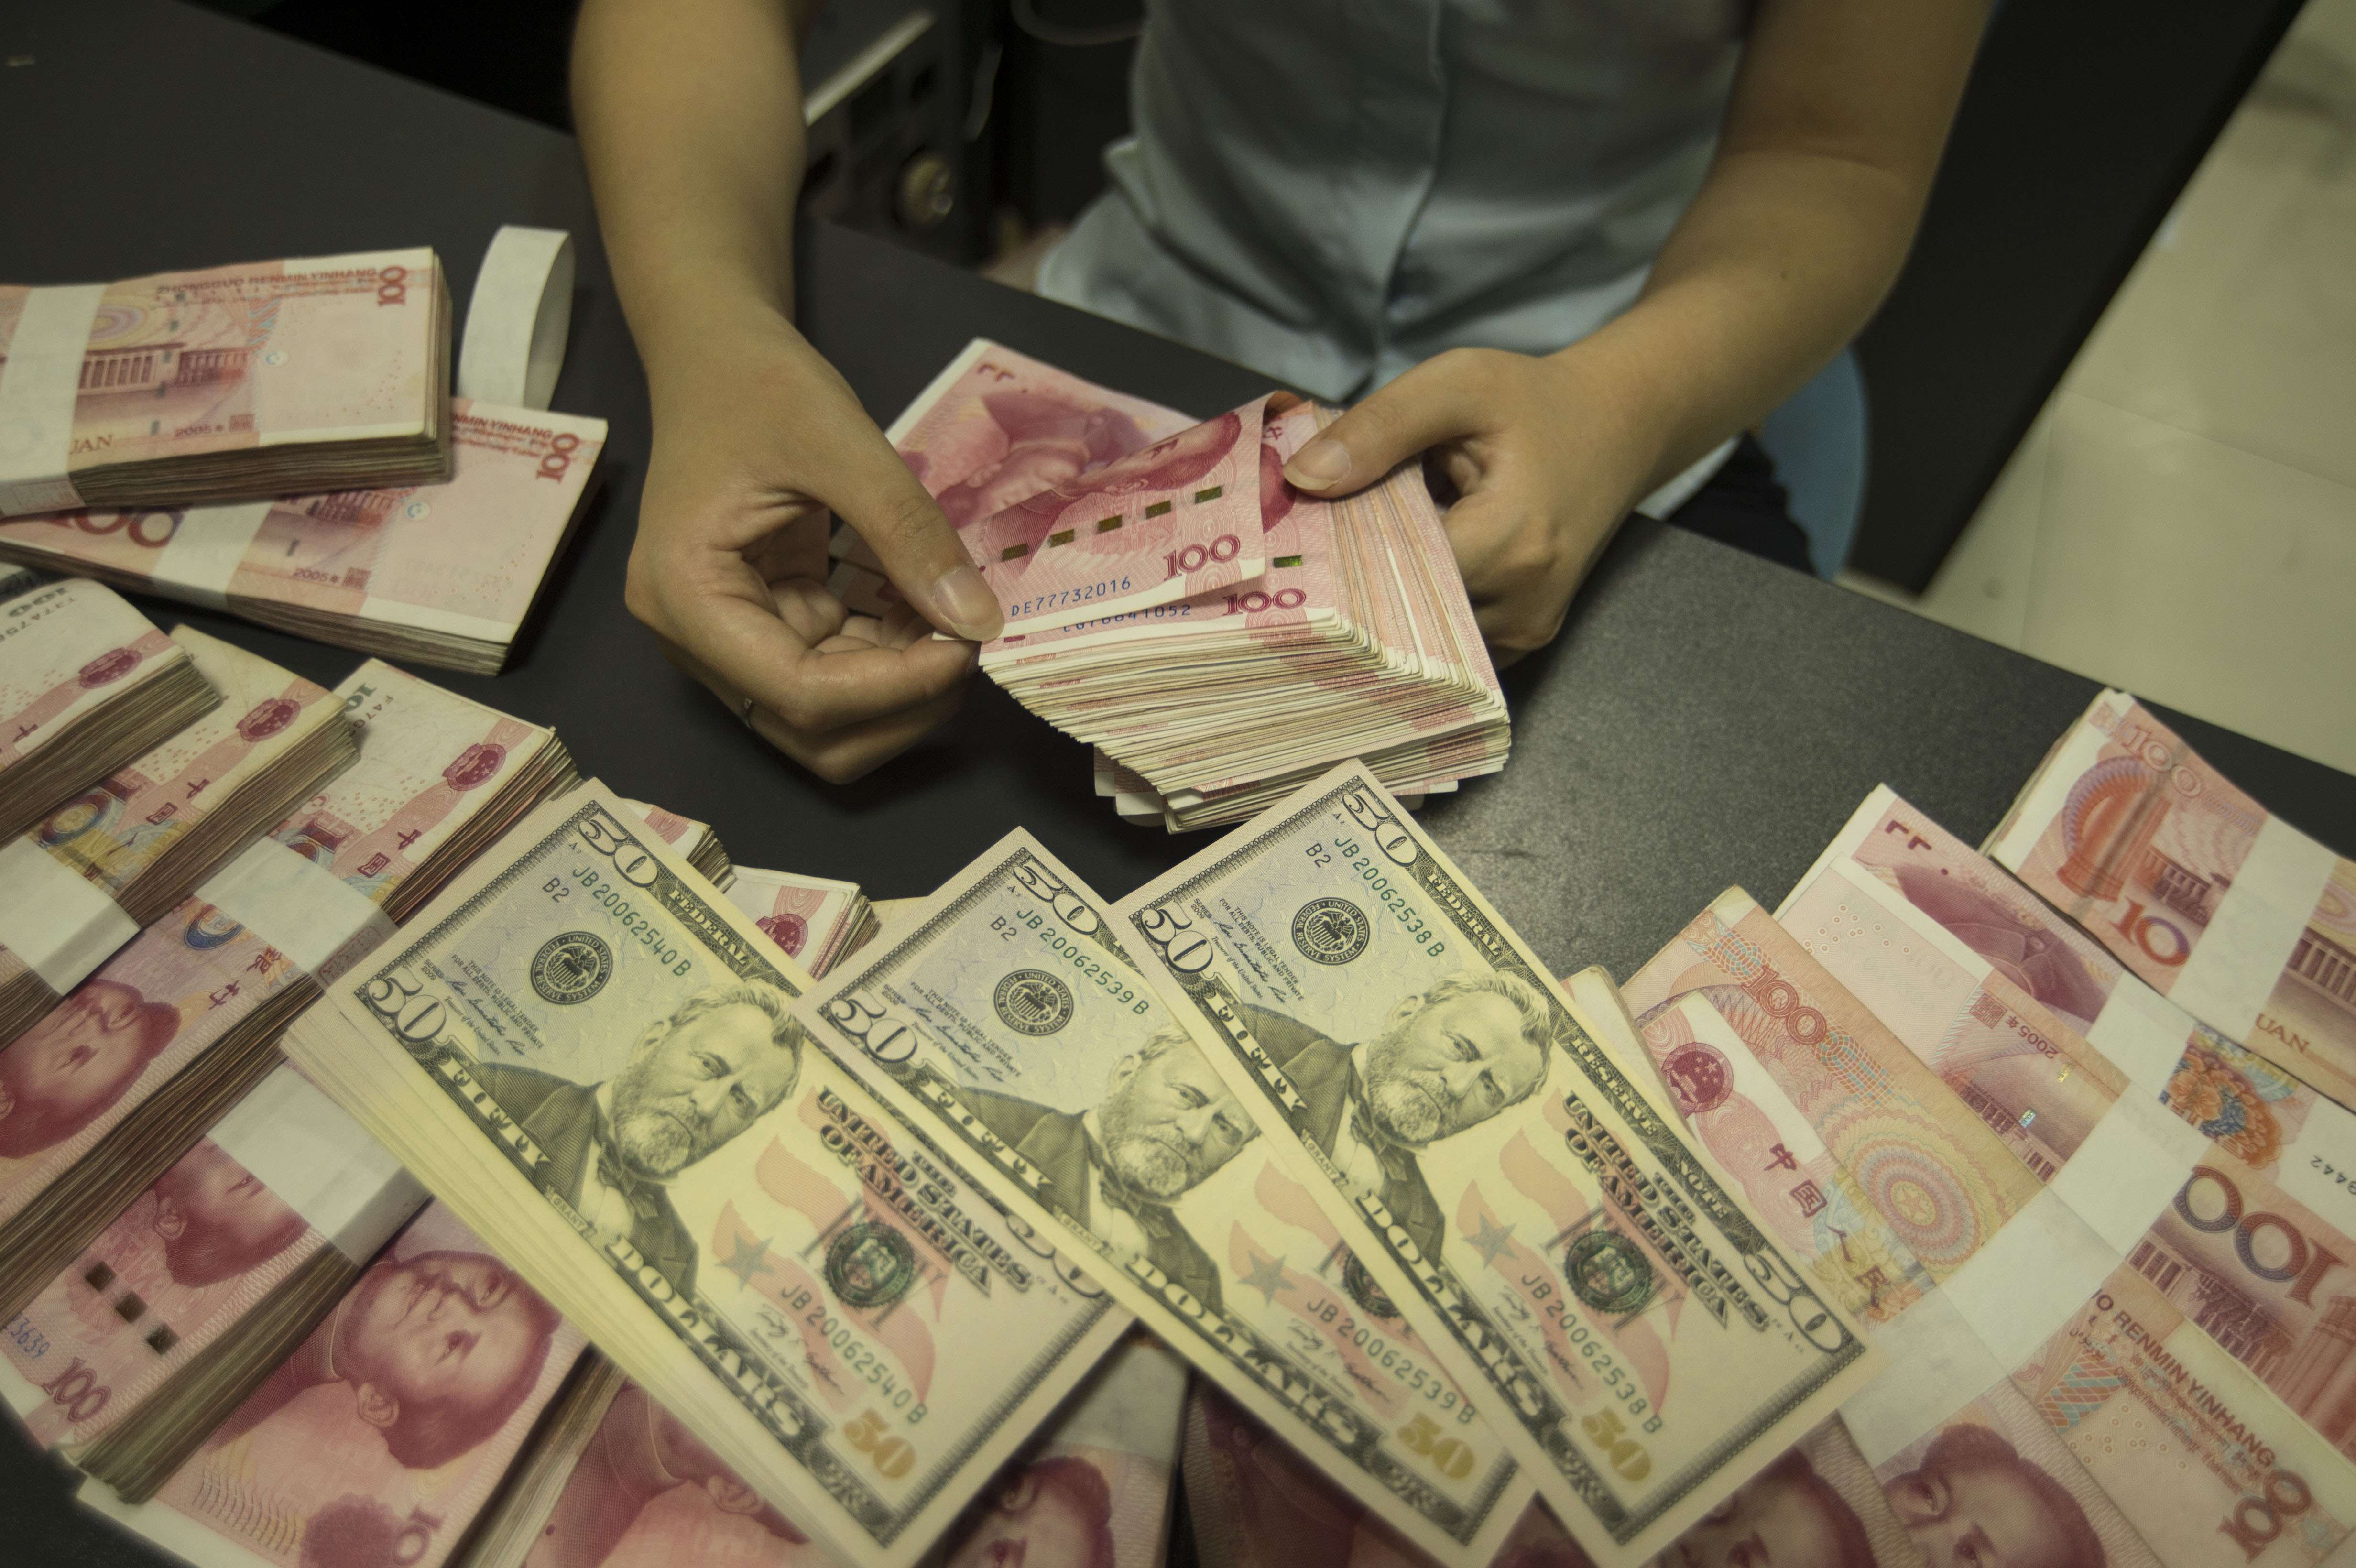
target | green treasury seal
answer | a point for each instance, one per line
(1608, 1272)
(869, 1265)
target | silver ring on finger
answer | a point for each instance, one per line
(745, 711)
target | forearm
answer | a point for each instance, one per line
(1831, 138)
(689, 114)
(1779, 262)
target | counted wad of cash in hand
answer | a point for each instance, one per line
(1218, 637)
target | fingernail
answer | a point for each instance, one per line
(966, 601)
(1319, 464)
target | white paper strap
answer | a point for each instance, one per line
(321, 922)
(2027, 1280)
(38, 385)
(518, 318)
(61, 925)
(2129, 1169)
(2143, 1033)
(320, 1163)
(2233, 971)
(205, 551)
(1937, 1366)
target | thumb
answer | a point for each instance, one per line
(1428, 405)
(920, 552)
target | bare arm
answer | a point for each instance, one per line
(690, 118)
(689, 114)
(1838, 117)
(1834, 132)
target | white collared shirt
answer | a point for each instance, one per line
(1360, 1165)
(605, 1208)
(1113, 1223)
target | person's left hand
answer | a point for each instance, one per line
(1546, 457)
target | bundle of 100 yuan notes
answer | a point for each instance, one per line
(226, 383)
(88, 877)
(86, 684)
(1218, 637)
(441, 573)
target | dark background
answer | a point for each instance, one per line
(2084, 120)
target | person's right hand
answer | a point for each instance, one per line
(756, 439)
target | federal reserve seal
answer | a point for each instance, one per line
(869, 1265)
(1360, 1286)
(1031, 1001)
(1608, 1272)
(572, 968)
(1331, 931)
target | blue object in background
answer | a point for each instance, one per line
(1818, 442)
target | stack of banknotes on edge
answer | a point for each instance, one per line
(227, 383)
(86, 685)
(818, 920)
(87, 878)
(1217, 637)
(441, 573)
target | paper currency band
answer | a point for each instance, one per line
(321, 922)
(518, 318)
(2242, 954)
(2030, 1279)
(316, 1160)
(61, 926)
(204, 552)
(40, 379)
(2142, 1032)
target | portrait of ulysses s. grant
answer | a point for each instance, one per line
(689, 1082)
(1119, 1159)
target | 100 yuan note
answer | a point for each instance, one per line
(586, 1050)
(65, 651)
(380, 1438)
(1944, 1378)
(2017, 1264)
(2230, 911)
(1076, 504)
(1621, 1316)
(1010, 1012)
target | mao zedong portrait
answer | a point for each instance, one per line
(436, 1351)
(1787, 1513)
(1059, 1511)
(693, 1081)
(65, 1071)
(217, 1219)
(641, 1455)
(1974, 1499)
(1448, 1058)
(1165, 1122)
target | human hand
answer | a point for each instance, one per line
(756, 439)
(1545, 460)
